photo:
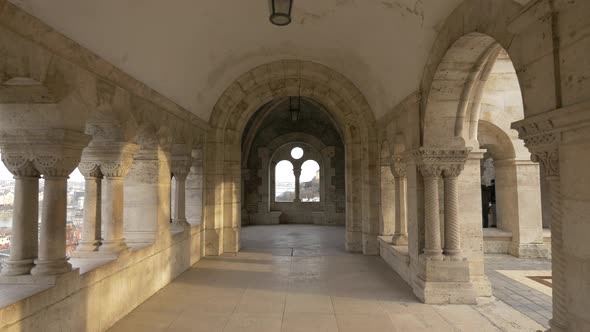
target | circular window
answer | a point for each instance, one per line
(297, 153)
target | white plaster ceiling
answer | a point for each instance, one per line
(191, 50)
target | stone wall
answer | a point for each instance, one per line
(94, 300)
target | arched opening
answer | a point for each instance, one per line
(74, 214)
(474, 98)
(303, 163)
(284, 182)
(309, 181)
(349, 115)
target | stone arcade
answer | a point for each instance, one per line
(178, 114)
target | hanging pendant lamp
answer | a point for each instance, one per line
(280, 12)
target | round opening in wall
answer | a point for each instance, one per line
(297, 153)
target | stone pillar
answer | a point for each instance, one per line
(548, 156)
(442, 279)
(180, 169)
(544, 146)
(297, 172)
(388, 199)
(56, 159)
(24, 242)
(194, 189)
(432, 246)
(91, 230)
(400, 237)
(451, 208)
(114, 171)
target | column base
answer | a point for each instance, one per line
(17, 268)
(112, 247)
(444, 282)
(231, 239)
(179, 225)
(556, 327)
(528, 250)
(213, 241)
(400, 240)
(354, 241)
(433, 255)
(370, 244)
(51, 267)
(453, 255)
(88, 246)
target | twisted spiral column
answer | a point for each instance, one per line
(452, 227)
(432, 249)
(559, 321)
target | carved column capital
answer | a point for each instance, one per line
(434, 161)
(430, 170)
(113, 158)
(90, 169)
(19, 164)
(56, 166)
(453, 170)
(181, 167)
(542, 140)
(549, 159)
(398, 166)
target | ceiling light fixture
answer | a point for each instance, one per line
(280, 12)
(294, 107)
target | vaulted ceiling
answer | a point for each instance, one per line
(191, 50)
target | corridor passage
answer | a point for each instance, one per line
(298, 278)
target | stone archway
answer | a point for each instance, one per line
(353, 116)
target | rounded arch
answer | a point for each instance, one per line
(474, 28)
(455, 90)
(495, 141)
(352, 115)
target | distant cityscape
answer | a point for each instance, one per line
(74, 213)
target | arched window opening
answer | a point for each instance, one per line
(284, 182)
(488, 193)
(309, 181)
(172, 198)
(6, 204)
(75, 211)
(297, 153)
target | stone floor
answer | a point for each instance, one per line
(516, 289)
(298, 278)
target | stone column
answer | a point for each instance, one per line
(180, 170)
(451, 208)
(543, 141)
(56, 161)
(432, 246)
(400, 236)
(91, 230)
(549, 158)
(24, 242)
(114, 172)
(297, 172)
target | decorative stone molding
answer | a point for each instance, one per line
(19, 164)
(441, 156)
(181, 166)
(90, 169)
(113, 158)
(54, 166)
(398, 166)
(453, 170)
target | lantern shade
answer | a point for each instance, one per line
(280, 11)
(294, 107)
